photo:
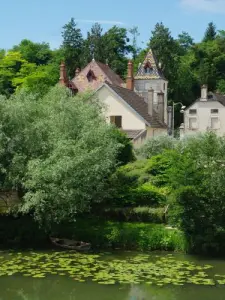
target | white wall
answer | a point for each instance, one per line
(204, 117)
(115, 107)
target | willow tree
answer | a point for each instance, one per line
(58, 150)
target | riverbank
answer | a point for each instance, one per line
(24, 232)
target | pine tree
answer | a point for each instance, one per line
(210, 33)
(93, 45)
(72, 46)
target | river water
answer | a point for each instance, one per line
(17, 282)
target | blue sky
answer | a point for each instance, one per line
(42, 20)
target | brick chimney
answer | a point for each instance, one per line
(77, 72)
(130, 77)
(204, 92)
(63, 78)
(150, 101)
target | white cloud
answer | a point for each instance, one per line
(100, 22)
(213, 6)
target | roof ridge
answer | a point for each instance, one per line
(124, 88)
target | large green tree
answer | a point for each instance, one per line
(72, 46)
(37, 53)
(10, 65)
(94, 45)
(58, 150)
(117, 47)
(210, 33)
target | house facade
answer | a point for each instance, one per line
(206, 114)
(138, 107)
(131, 113)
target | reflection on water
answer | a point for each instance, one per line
(17, 287)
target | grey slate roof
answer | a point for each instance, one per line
(138, 104)
(215, 97)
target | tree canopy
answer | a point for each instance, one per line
(185, 63)
(58, 151)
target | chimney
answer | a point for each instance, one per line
(150, 101)
(204, 92)
(130, 77)
(161, 106)
(63, 78)
(77, 72)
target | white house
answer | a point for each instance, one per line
(206, 114)
(130, 112)
(140, 107)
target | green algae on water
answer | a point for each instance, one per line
(143, 268)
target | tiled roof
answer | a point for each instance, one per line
(102, 74)
(138, 104)
(111, 75)
(154, 71)
(132, 134)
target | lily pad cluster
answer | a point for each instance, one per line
(143, 268)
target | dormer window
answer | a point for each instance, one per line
(147, 68)
(90, 76)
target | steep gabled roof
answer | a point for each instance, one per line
(154, 71)
(101, 74)
(138, 104)
(112, 77)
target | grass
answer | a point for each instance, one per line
(124, 235)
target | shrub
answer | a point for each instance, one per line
(147, 194)
(135, 214)
(131, 186)
(125, 153)
(156, 145)
(131, 236)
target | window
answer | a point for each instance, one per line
(214, 123)
(90, 76)
(148, 68)
(214, 111)
(164, 86)
(117, 120)
(192, 111)
(192, 123)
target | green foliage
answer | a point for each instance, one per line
(135, 34)
(185, 41)
(155, 146)
(21, 231)
(52, 149)
(135, 214)
(116, 49)
(131, 186)
(136, 236)
(146, 194)
(125, 153)
(93, 45)
(194, 173)
(72, 46)
(210, 33)
(36, 53)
